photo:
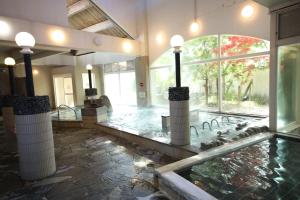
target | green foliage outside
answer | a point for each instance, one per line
(237, 75)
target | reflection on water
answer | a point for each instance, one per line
(67, 114)
(268, 170)
(147, 122)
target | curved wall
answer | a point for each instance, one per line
(169, 17)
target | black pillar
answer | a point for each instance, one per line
(12, 80)
(90, 78)
(29, 78)
(177, 64)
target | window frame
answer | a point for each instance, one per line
(219, 60)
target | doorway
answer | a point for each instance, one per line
(63, 89)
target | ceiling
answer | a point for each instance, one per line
(271, 3)
(14, 52)
(87, 16)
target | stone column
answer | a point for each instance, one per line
(35, 137)
(179, 114)
(8, 115)
(93, 111)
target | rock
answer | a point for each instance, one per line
(240, 126)
(221, 139)
(264, 129)
(204, 146)
(250, 131)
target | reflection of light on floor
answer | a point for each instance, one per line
(107, 142)
(141, 163)
(119, 149)
(281, 123)
(160, 139)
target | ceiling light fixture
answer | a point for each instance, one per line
(195, 27)
(89, 67)
(35, 72)
(127, 46)
(9, 61)
(159, 38)
(4, 28)
(58, 36)
(247, 11)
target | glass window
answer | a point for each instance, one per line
(120, 83)
(161, 80)
(199, 49)
(112, 88)
(234, 45)
(128, 88)
(202, 80)
(245, 85)
(85, 81)
(244, 81)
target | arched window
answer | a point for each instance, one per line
(228, 73)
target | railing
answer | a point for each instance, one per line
(65, 106)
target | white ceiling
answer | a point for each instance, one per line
(271, 3)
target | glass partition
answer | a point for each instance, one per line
(288, 88)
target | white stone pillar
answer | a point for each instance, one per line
(179, 114)
(35, 137)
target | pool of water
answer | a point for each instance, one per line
(147, 122)
(67, 114)
(268, 170)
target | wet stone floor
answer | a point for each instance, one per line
(90, 165)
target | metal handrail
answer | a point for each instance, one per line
(63, 105)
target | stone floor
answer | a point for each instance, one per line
(90, 165)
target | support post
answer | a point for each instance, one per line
(90, 79)
(12, 80)
(177, 68)
(29, 78)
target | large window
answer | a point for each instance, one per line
(228, 73)
(85, 80)
(120, 83)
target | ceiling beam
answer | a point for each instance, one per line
(78, 7)
(99, 27)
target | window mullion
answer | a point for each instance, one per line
(219, 91)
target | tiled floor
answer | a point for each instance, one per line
(90, 165)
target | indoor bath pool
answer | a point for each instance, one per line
(205, 127)
(267, 170)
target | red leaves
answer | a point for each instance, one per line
(236, 45)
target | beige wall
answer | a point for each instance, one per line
(43, 83)
(74, 39)
(63, 70)
(170, 17)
